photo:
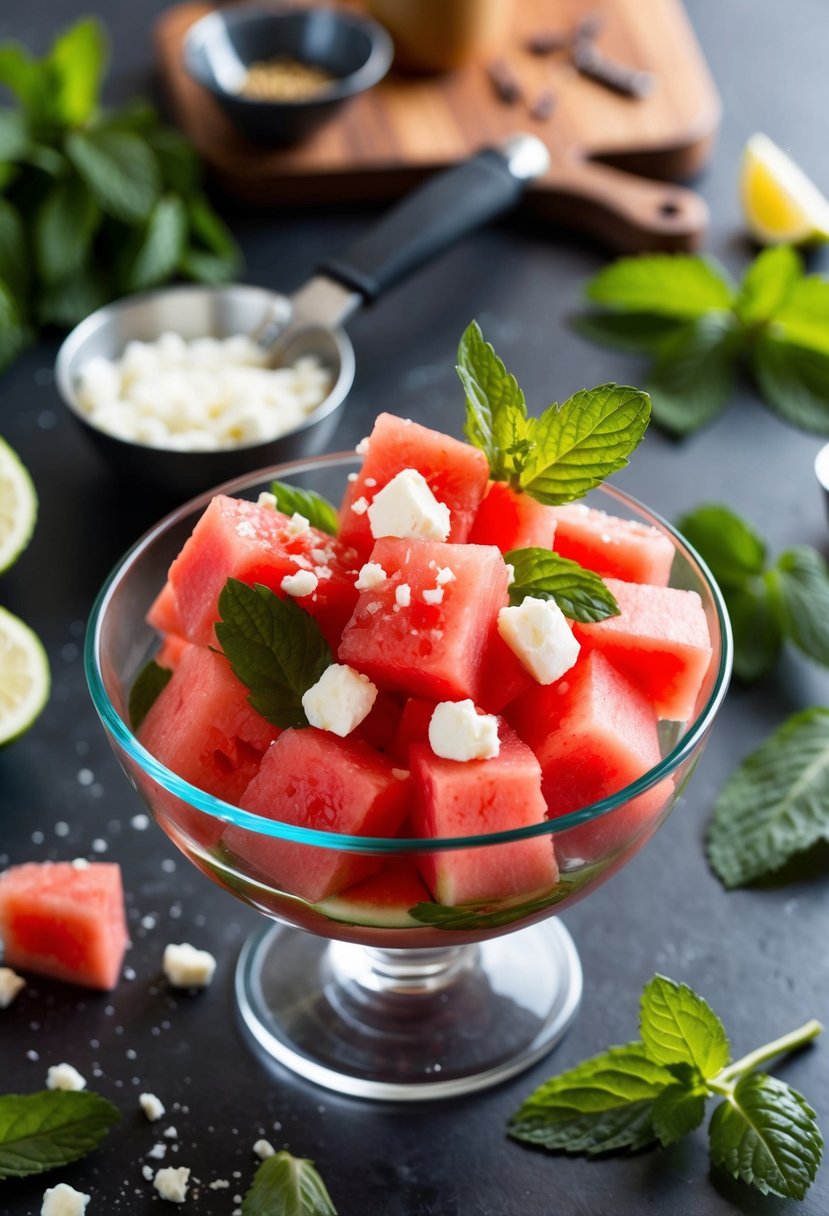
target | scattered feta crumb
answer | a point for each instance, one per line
(510, 573)
(187, 967)
(152, 1106)
(264, 1149)
(304, 582)
(148, 1173)
(537, 632)
(359, 506)
(320, 556)
(63, 1200)
(351, 477)
(371, 575)
(158, 1151)
(407, 507)
(458, 732)
(64, 1076)
(171, 1133)
(297, 525)
(433, 595)
(140, 822)
(362, 447)
(219, 1184)
(403, 595)
(266, 499)
(10, 985)
(80, 863)
(444, 576)
(340, 699)
(171, 1183)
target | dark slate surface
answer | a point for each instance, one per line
(759, 956)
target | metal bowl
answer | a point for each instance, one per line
(197, 312)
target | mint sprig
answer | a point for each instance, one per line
(285, 1185)
(775, 806)
(655, 1091)
(41, 1131)
(768, 603)
(685, 313)
(319, 512)
(274, 647)
(150, 682)
(580, 594)
(565, 452)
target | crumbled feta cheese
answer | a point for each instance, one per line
(340, 700)
(444, 576)
(63, 1200)
(362, 447)
(403, 595)
(266, 499)
(359, 506)
(170, 1133)
(407, 507)
(458, 732)
(538, 634)
(304, 582)
(351, 477)
(147, 1172)
(187, 967)
(433, 595)
(64, 1076)
(152, 1106)
(296, 526)
(320, 556)
(158, 1151)
(510, 573)
(264, 1149)
(10, 985)
(371, 575)
(80, 863)
(171, 1183)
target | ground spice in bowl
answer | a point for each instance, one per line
(284, 79)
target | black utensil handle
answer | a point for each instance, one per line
(446, 208)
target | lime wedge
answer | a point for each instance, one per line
(24, 676)
(18, 506)
(780, 202)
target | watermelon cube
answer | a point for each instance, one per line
(476, 797)
(171, 650)
(503, 676)
(660, 641)
(239, 539)
(64, 920)
(424, 638)
(316, 780)
(163, 613)
(512, 520)
(413, 727)
(456, 473)
(613, 547)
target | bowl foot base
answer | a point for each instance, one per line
(408, 1025)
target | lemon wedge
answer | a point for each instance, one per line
(780, 203)
(24, 676)
(18, 506)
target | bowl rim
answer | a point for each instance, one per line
(226, 812)
(376, 66)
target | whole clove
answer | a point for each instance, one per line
(632, 82)
(543, 106)
(547, 42)
(504, 81)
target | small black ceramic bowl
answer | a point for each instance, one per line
(220, 48)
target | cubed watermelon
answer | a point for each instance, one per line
(64, 920)
(170, 651)
(384, 900)
(316, 780)
(617, 548)
(402, 641)
(413, 727)
(456, 473)
(512, 520)
(476, 797)
(660, 641)
(163, 613)
(239, 539)
(503, 676)
(379, 728)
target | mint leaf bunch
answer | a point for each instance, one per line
(568, 450)
(44, 1130)
(655, 1090)
(285, 1185)
(94, 203)
(698, 326)
(768, 603)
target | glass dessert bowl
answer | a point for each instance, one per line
(379, 990)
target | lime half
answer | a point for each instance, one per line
(24, 676)
(18, 506)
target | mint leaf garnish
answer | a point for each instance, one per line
(149, 683)
(776, 804)
(794, 380)
(317, 510)
(803, 318)
(53, 1127)
(801, 580)
(285, 1185)
(767, 1135)
(768, 283)
(496, 412)
(636, 333)
(679, 1027)
(274, 647)
(763, 1132)
(672, 285)
(693, 375)
(580, 594)
(729, 545)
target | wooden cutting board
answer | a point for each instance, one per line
(606, 149)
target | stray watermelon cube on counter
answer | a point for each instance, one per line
(65, 920)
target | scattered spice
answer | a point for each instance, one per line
(631, 82)
(284, 79)
(547, 42)
(543, 106)
(504, 82)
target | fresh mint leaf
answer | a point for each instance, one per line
(14, 335)
(767, 284)
(726, 543)
(803, 320)
(756, 627)
(679, 1027)
(671, 285)
(319, 512)
(693, 376)
(149, 683)
(14, 254)
(766, 1134)
(601, 1105)
(41, 1131)
(489, 916)
(285, 1185)
(635, 332)
(161, 247)
(75, 297)
(496, 412)
(677, 1111)
(14, 137)
(120, 170)
(77, 60)
(212, 256)
(794, 381)
(776, 804)
(177, 159)
(800, 585)
(25, 77)
(580, 594)
(575, 446)
(63, 229)
(274, 647)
